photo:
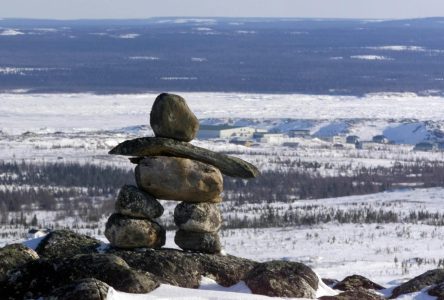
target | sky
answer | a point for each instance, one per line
(131, 9)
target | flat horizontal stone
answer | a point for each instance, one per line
(198, 241)
(180, 179)
(198, 217)
(155, 146)
(129, 233)
(134, 202)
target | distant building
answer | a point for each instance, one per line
(352, 139)
(338, 139)
(299, 133)
(224, 132)
(272, 138)
(380, 139)
(425, 146)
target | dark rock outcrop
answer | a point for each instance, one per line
(354, 282)
(83, 289)
(40, 277)
(181, 179)
(171, 117)
(418, 283)
(185, 269)
(13, 256)
(154, 146)
(198, 217)
(136, 203)
(65, 243)
(437, 291)
(206, 242)
(126, 232)
(282, 279)
(357, 294)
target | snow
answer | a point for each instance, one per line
(143, 58)
(11, 32)
(128, 36)
(370, 57)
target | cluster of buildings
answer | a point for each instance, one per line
(249, 136)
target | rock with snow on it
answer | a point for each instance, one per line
(419, 282)
(354, 282)
(128, 233)
(171, 117)
(65, 243)
(180, 179)
(40, 277)
(13, 256)
(133, 202)
(356, 294)
(84, 289)
(155, 146)
(283, 279)
(198, 217)
(198, 241)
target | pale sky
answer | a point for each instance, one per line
(127, 9)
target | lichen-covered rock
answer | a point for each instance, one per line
(128, 233)
(198, 241)
(13, 256)
(354, 282)
(357, 294)
(154, 146)
(171, 117)
(198, 217)
(418, 283)
(84, 289)
(136, 203)
(181, 179)
(40, 277)
(65, 243)
(185, 269)
(282, 279)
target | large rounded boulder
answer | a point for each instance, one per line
(198, 241)
(180, 179)
(171, 117)
(282, 279)
(13, 256)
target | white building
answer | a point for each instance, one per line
(224, 132)
(272, 138)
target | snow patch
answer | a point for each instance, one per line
(128, 36)
(143, 58)
(399, 48)
(11, 32)
(370, 57)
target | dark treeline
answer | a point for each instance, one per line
(286, 186)
(89, 190)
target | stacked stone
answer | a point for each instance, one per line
(170, 168)
(132, 224)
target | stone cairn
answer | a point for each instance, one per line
(170, 168)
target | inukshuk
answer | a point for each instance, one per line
(170, 168)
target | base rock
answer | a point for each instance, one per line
(128, 233)
(357, 294)
(354, 282)
(84, 289)
(198, 241)
(13, 256)
(418, 283)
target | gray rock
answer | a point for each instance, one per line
(354, 282)
(282, 279)
(198, 217)
(418, 283)
(133, 202)
(185, 269)
(40, 277)
(198, 241)
(64, 243)
(128, 233)
(437, 291)
(84, 289)
(171, 117)
(13, 256)
(357, 294)
(154, 146)
(181, 179)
